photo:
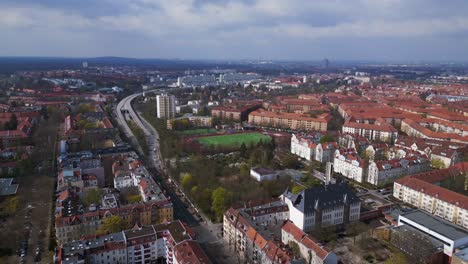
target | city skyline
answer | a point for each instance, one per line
(234, 30)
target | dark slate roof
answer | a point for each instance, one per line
(324, 197)
(437, 225)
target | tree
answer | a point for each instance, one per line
(93, 196)
(289, 161)
(113, 224)
(397, 258)
(12, 124)
(295, 248)
(297, 189)
(326, 138)
(134, 198)
(327, 234)
(437, 164)
(220, 198)
(244, 170)
(356, 228)
(243, 150)
(84, 108)
(186, 180)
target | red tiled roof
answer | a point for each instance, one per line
(190, 252)
(424, 182)
(305, 239)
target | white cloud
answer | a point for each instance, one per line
(218, 23)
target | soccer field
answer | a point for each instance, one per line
(233, 140)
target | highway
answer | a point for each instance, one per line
(155, 163)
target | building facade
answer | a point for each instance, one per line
(165, 106)
(330, 205)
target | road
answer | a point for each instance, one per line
(208, 233)
(155, 163)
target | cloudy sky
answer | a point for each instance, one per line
(237, 29)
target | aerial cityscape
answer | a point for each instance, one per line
(206, 131)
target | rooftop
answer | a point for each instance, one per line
(331, 195)
(437, 225)
(6, 186)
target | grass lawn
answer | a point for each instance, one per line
(197, 131)
(233, 140)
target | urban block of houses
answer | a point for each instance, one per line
(378, 131)
(447, 152)
(74, 219)
(415, 129)
(386, 171)
(250, 231)
(238, 111)
(289, 120)
(171, 242)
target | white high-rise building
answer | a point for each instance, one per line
(165, 105)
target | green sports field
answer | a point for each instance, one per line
(233, 140)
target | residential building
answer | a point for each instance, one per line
(250, 231)
(349, 164)
(328, 205)
(304, 145)
(382, 131)
(289, 120)
(324, 152)
(422, 191)
(170, 242)
(73, 220)
(236, 111)
(165, 106)
(387, 171)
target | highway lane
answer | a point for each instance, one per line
(154, 161)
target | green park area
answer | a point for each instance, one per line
(234, 139)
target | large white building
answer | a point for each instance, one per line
(421, 191)
(380, 131)
(450, 236)
(328, 205)
(165, 106)
(303, 147)
(348, 163)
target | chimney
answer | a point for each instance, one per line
(328, 172)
